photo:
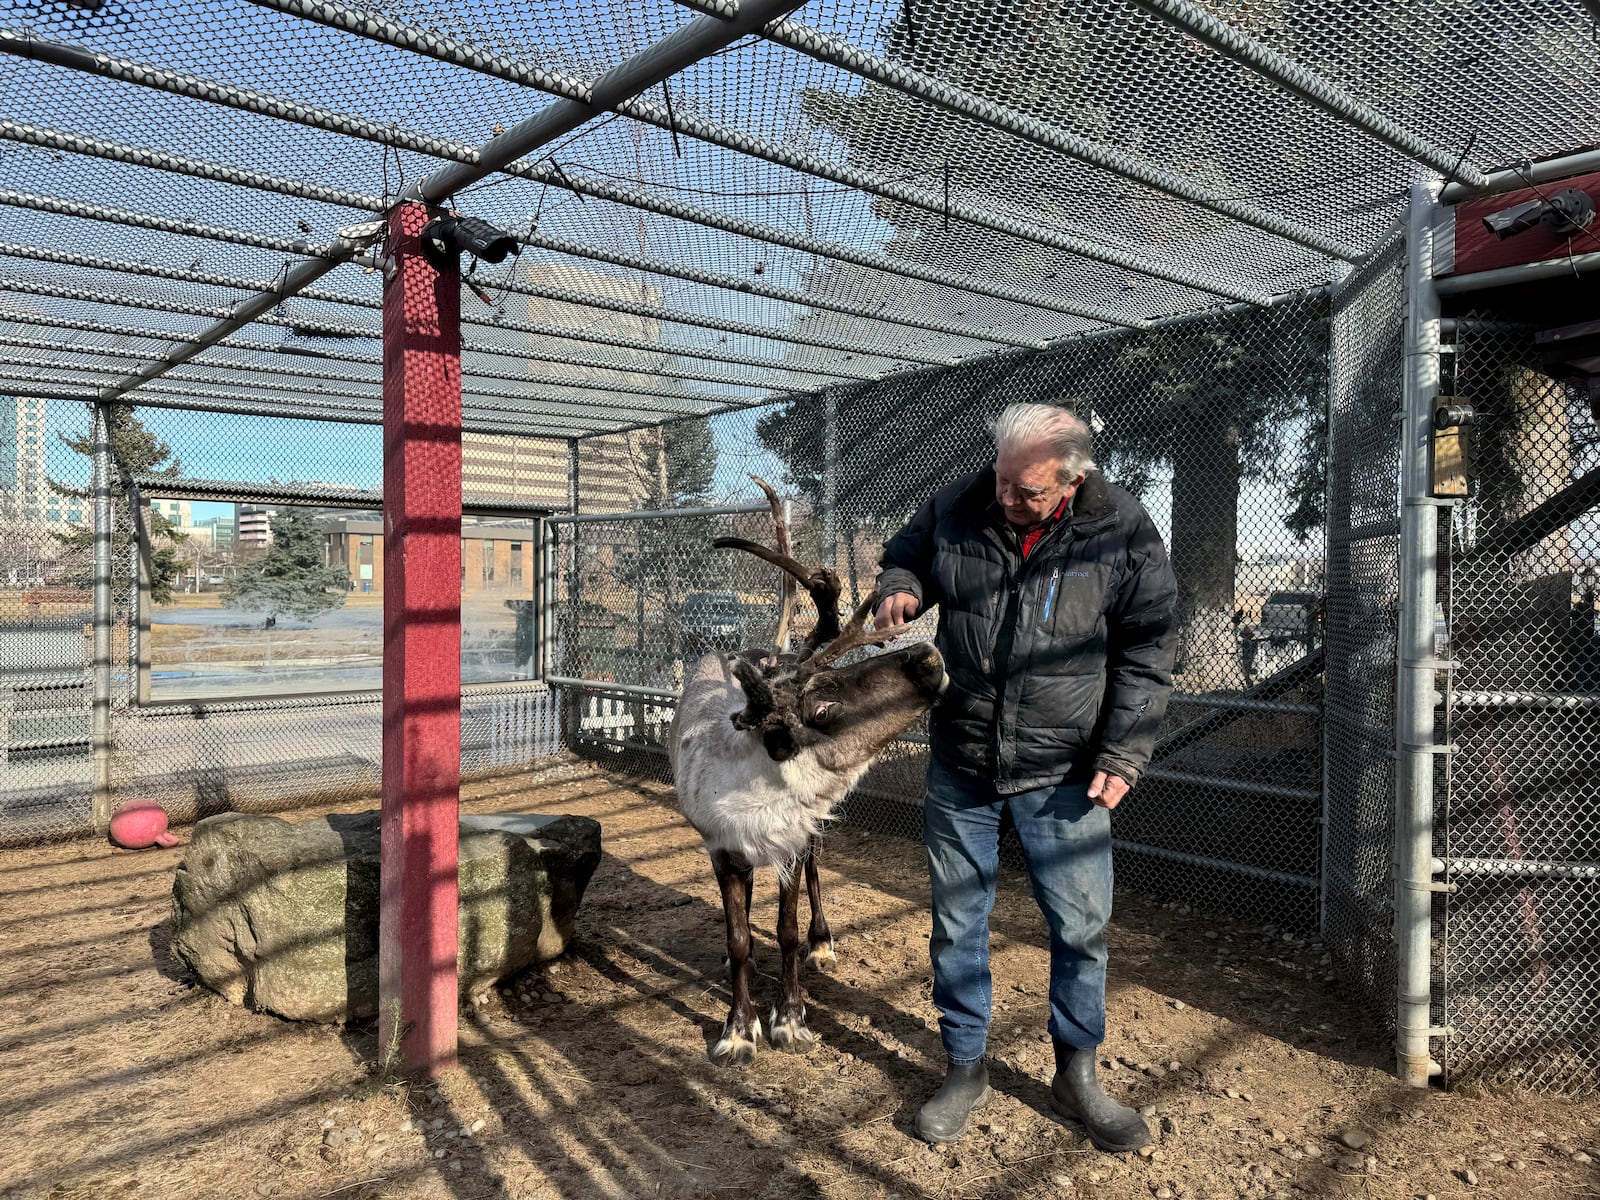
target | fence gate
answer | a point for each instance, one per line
(1362, 624)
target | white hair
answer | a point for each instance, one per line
(1054, 429)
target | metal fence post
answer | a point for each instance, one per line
(573, 706)
(100, 729)
(539, 666)
(1414, 712)
(141, 562)
(830, 477)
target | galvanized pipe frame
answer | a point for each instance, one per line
(1063, 343)
(678, 316)
(641, 345)
(477, 394)
(56, 321)
(214, 279)
(332, 412)
(1529, 272)
(456, 52)
(577, 182)
(717, 510)
(711, 403)
(285, 186)
(666, 698)
(225, 490)
(102, 602)
(182, 84)
(1520, 176)
(769, 291)
(27, 134)
(562, 295)
(1416, 657)
(538, 407)
(121, 216)
(59, 206)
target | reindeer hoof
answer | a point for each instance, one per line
(822, 958)
(734, 1049)
(790, 1034)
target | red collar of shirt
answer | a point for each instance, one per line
(1031, 538)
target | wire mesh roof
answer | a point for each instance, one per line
(852, 190)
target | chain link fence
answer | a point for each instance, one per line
(247, 612)
(1366, 360)
(1217, 424)
(1519, 833)
(576, 626)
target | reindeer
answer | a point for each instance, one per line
(764, 745)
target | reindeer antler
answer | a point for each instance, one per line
(780, 637)
(854, 635)
(822, 583)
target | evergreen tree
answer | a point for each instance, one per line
(290, 578)
(135, 451)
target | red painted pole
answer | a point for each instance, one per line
(421, 653)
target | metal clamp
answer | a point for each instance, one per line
(1427, 748)
(1433, 501)
(1431, 664)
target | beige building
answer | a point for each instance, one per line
(496, 557)
(535, 470)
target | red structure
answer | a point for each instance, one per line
(1476, 249)
(421, 652)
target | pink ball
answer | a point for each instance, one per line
(141, 823)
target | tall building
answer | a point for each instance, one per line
(36, 502)
(252, 528)
(219, 530)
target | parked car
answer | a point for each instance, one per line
(1292, 617)
(712, 621)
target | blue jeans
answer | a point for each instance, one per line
(1066, 840)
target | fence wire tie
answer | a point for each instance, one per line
(572, 187)
(672, 119)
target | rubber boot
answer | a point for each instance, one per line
(964, 1091)
(1076, 1096)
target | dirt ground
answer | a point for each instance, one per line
(588, 1077)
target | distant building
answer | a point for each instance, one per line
(535, 470)
(35, 502)
(178, 512)
(217, 530)
(495, 556)
(252, 526)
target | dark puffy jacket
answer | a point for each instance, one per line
(1060, 664)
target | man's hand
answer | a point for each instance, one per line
(896, 609)
(1107, 790)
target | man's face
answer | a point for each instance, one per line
(1028, 484)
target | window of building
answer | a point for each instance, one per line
(488, 560)
(516, 563)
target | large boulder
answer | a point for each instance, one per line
(282, 916)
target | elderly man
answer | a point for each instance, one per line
(1056, 623)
